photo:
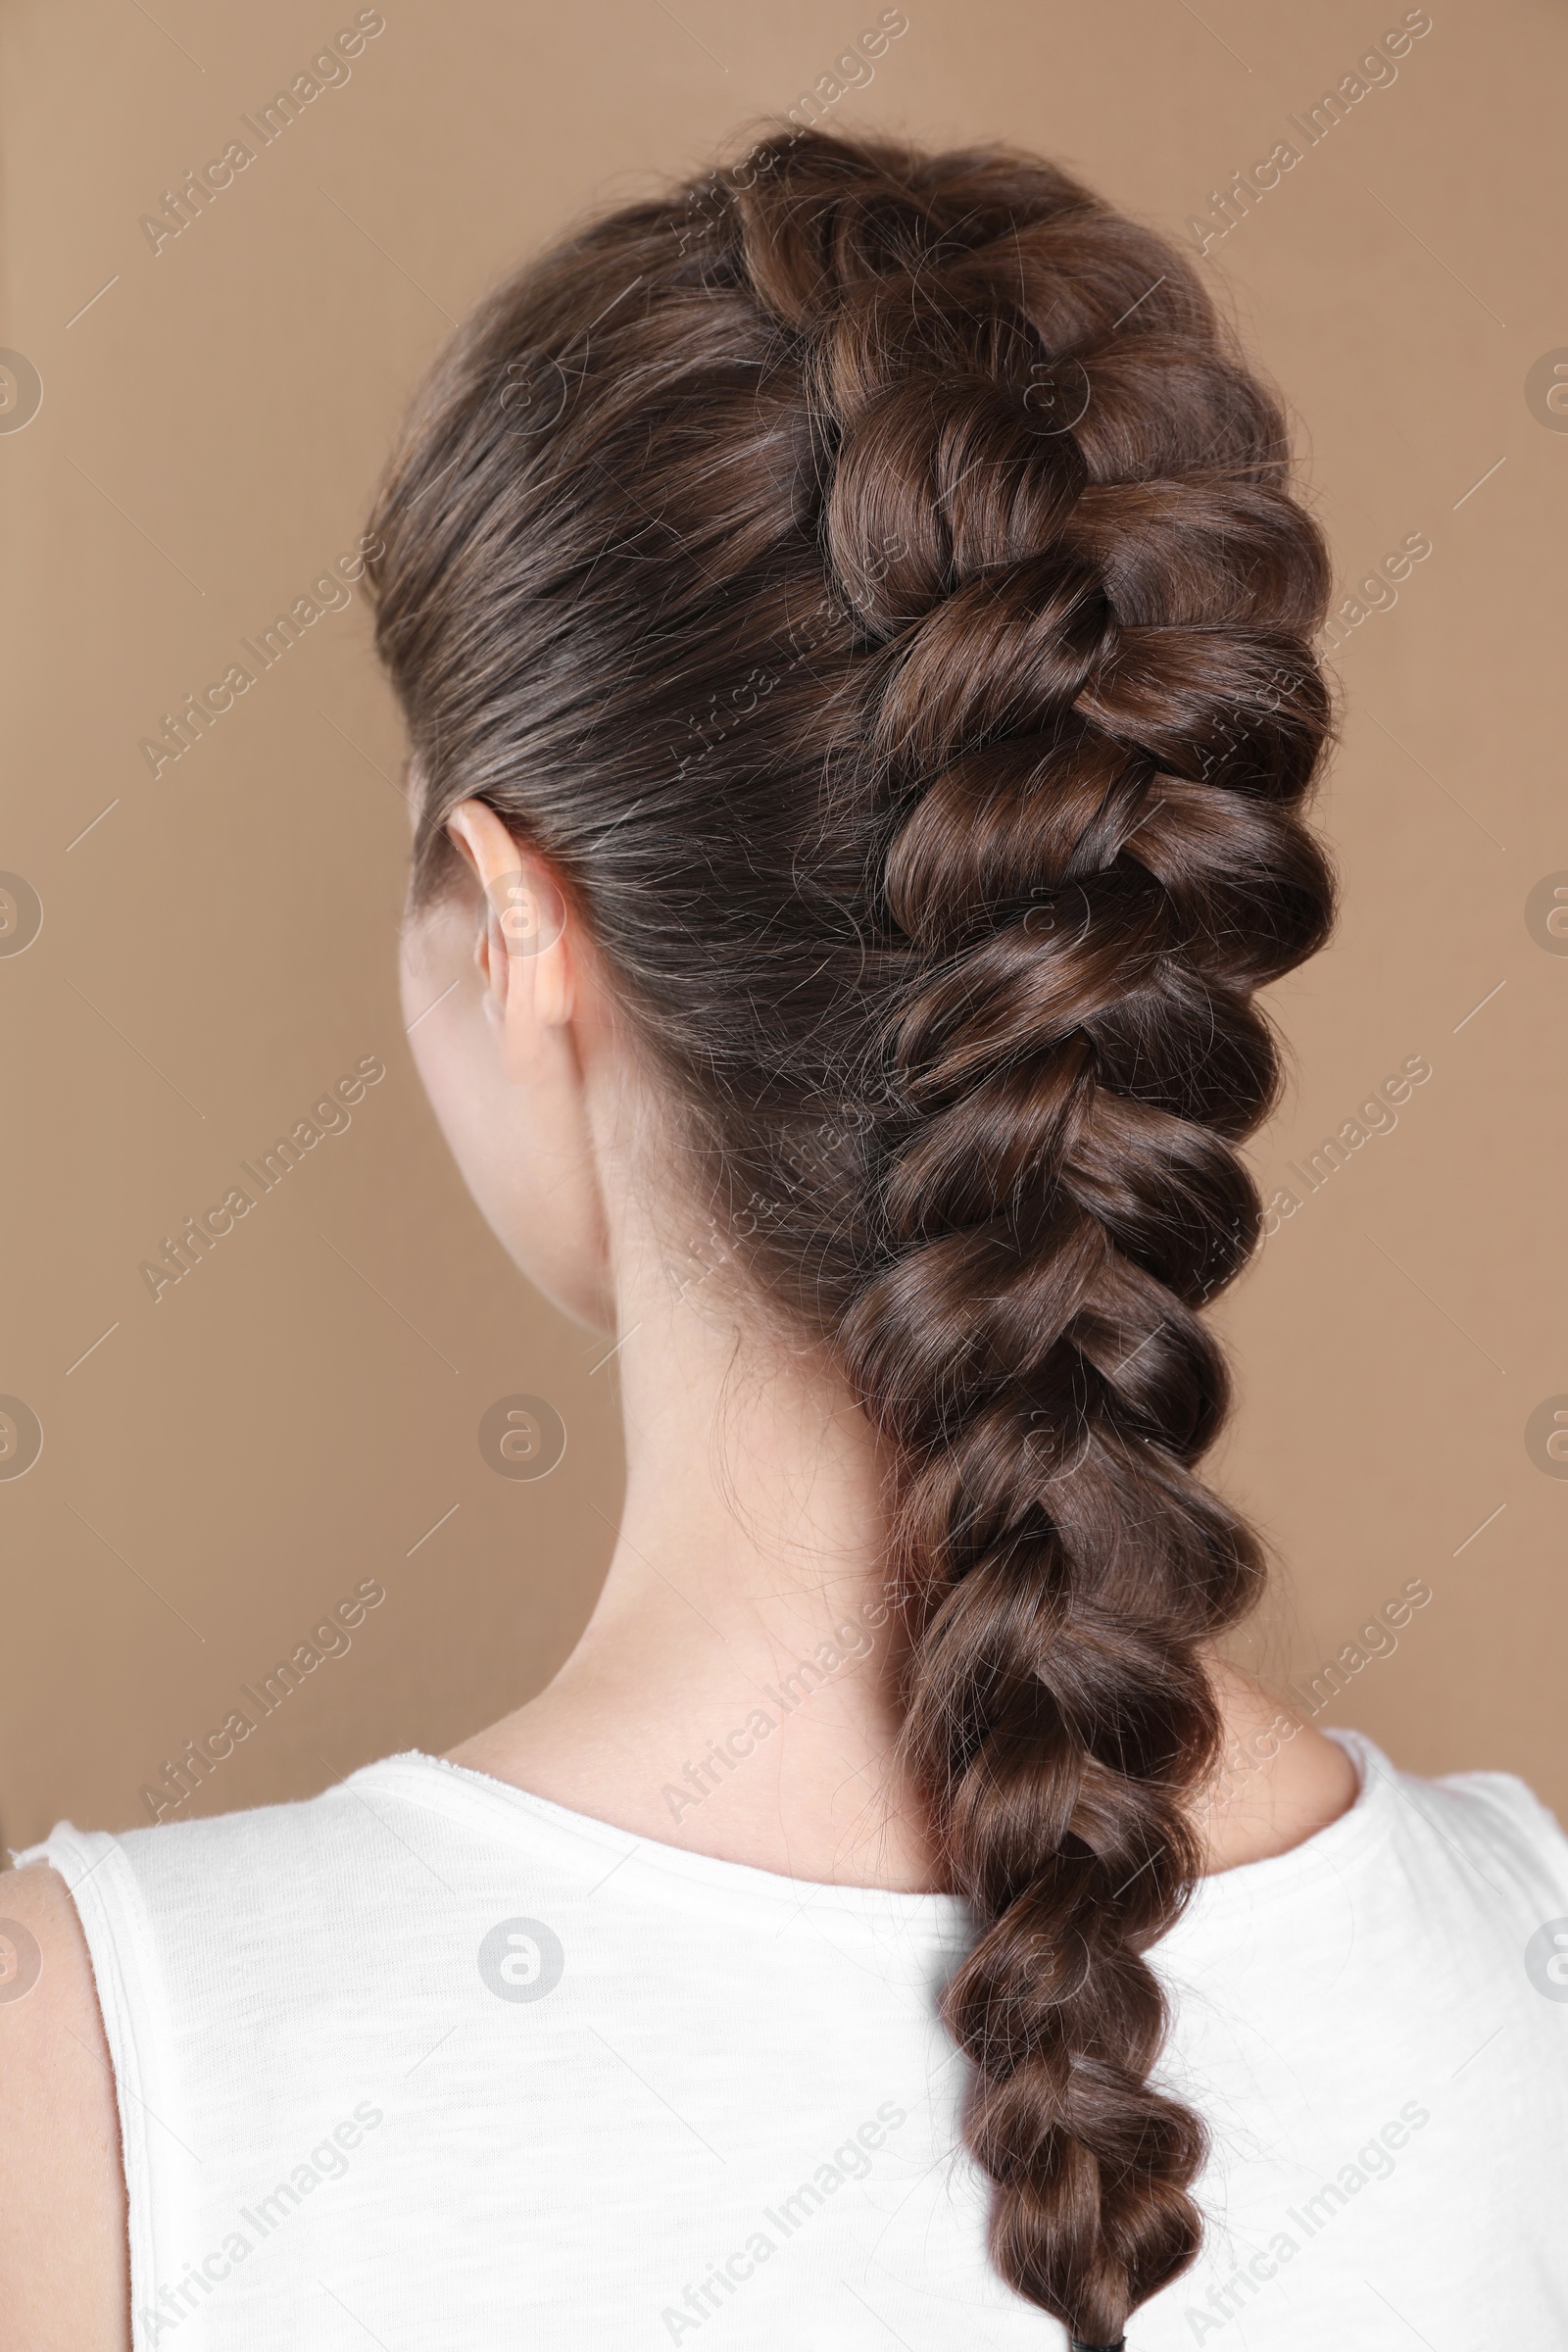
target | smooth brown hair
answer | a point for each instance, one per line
(871, 580)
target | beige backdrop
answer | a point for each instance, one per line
(299, 1416)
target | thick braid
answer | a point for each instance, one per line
(873, 581)
(1058, 507)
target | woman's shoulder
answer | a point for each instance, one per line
(64, 2283)
(91, 1925)
(1446, 1827)
(1490, 1826)
(1462, 1876)
(1307, 1798)
(216, 1894)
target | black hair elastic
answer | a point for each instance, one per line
(1078, 2345)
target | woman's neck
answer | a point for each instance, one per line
(736, 1688)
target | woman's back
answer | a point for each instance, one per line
(429, 2061)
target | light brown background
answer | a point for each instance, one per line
(229, 1462)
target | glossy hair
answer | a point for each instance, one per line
(871, 580)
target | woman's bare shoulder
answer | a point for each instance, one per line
(64, 2267)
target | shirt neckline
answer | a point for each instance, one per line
(437, 1779)
(1278, 1879)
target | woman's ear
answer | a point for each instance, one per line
(522, 947)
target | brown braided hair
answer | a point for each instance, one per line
(871, 580)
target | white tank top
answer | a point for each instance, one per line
(431, 2064)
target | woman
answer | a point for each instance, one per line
(854, 632)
